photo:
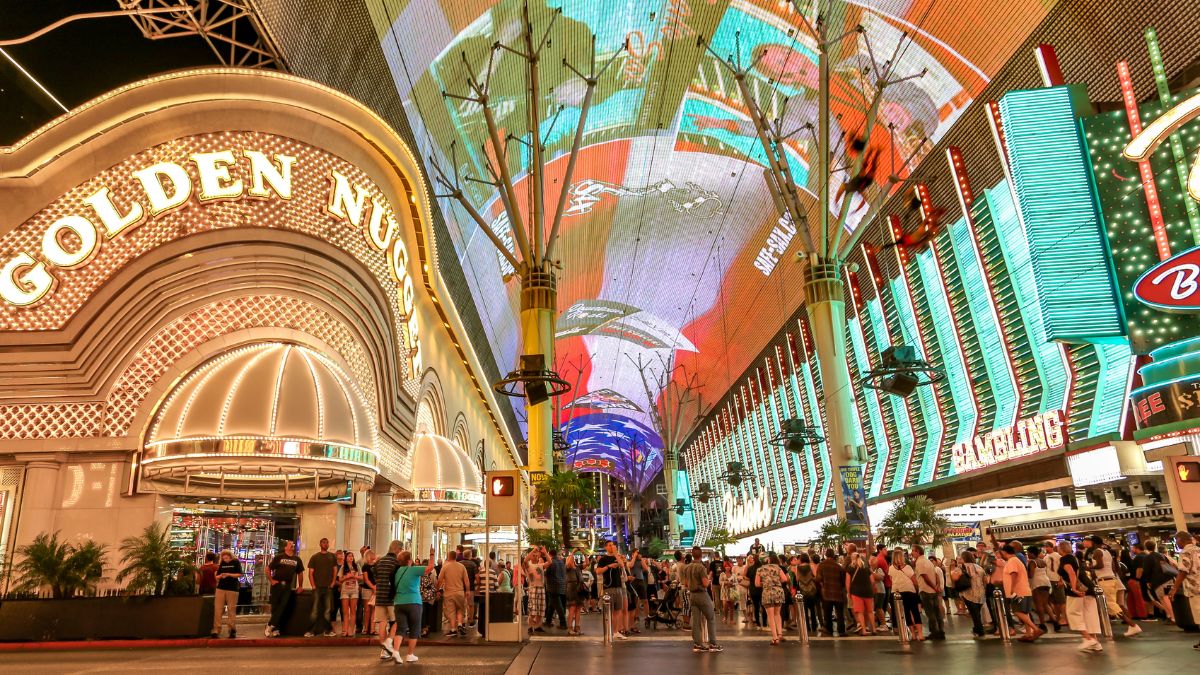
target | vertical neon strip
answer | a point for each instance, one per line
(1116, 364)
(874, 406)
(1177, 151)
(812, 414)
(1048, 355)
(811, 370)
(775, 419)
(966, 199)
(996, 124)
(1159, 228)
(934, 278)
(905, 433)
(910, 327)
(771, 422)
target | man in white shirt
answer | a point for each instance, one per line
(931, 593)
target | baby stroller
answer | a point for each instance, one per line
(664, 611)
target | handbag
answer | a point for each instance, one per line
(963, 583)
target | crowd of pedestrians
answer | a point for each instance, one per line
(1050, 585)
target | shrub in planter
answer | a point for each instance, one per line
(65, 569)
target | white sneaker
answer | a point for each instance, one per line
(397, 657)
(384, 655)
(1132, 630)
(617, 635)
(411, 658)
(1095, 646)
(387, 646)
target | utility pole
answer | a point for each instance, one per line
(533, 261)
(825, 255)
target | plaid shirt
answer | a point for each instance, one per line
(556, 577)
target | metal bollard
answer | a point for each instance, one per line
(1000, 617)
(802, 619)
(1105, 622)
(606, 619)
(898, 619)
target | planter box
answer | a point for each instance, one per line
(128, 617)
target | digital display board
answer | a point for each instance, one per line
(672, 250)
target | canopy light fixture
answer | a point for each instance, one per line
(532, 381)
(794, 435)
(901, 371)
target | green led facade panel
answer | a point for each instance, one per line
(1068, 245)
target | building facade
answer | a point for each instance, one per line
(221, 311)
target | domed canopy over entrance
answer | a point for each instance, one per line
(267, 420)
(446, 482)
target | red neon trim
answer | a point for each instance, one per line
(1157, 225)
(1047, 59)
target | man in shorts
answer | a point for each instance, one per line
(1018, 592)
(385, 611)
(1058, 594)
(611, 568)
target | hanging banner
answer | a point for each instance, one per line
(855, 495)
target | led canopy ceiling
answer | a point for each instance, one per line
(672, 250)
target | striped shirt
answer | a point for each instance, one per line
(385, 567)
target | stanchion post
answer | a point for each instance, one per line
(899, 620)
(1105, 622)
(802, 619)
(606, 619)
(1000, 616)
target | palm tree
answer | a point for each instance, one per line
(561, 493)
(835, 532)
(912, 522)
(65, 569)
(150, 561)
(719, 539)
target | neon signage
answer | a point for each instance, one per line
(1173, 284)
(1145, 143)
(752, 514)
(72, 241)
(1029, 436)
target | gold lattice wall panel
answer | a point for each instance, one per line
(50, 420)
(183, 335)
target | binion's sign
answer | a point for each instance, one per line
(1172, 285)
(1029, 436)
(72, 241)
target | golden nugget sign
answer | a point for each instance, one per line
(1027, 437)
(72, 241)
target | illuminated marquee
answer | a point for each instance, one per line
(746, 516)
(1029, 436)
(72, 241)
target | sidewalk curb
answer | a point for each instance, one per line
(81, 645)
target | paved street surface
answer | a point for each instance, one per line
(474, 660)
(1158, 650)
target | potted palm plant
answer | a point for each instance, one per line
(66, 570)
(70, 572)
(152, 564)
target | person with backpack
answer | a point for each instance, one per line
(1158, 574)
(968, 583)
(805, 583)
(1188, 576)
(1080, 587)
